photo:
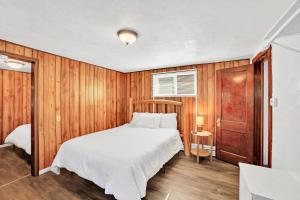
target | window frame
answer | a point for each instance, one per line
(174, 74)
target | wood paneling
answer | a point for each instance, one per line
(15, 101)
(73, 98)
(139, 86)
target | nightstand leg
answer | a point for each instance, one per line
(198, 146)
(211, 144)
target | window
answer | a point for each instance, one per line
(172, 84)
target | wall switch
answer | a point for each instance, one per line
(274, 102)
(58, 118)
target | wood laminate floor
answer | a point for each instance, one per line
(184, 179)
(14, 164)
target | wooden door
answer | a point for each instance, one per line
(234, 114)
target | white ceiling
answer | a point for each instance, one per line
(171, 32)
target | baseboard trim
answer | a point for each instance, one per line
(5, 145)
(43, 171)
(56, 170)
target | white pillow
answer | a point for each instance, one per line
(168, 120)
(146, 120)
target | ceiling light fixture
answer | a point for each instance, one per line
(127, 36)
(15, 64)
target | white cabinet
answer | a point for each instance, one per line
(260, 183)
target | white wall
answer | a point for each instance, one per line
(286, 116)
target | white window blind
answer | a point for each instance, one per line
(172, 84)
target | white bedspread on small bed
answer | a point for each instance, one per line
(21, 137)
(121, 159)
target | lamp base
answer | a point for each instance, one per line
(199, 128)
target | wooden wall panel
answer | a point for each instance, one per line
(121, 96)
(58, 126)
(104, 98)
(65, 100)
(82, 101)
(24, 98)
(18, 98)
(74, 98)
(97, 91)
(111, 99)
(49, 108)
(90, 111)
(29, 101)
(139, 86)
(15, 101)
(8, 102)
(40, 107)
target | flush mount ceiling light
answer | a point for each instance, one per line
(11, 64)
(127, 36)
(15, 64)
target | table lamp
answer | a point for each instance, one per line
(199, 122)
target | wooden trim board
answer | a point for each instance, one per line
(34, 107)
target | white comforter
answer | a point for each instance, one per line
(20, 137)
(121, 159)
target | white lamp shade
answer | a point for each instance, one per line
(200, 120)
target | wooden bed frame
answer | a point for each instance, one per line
(162, 106)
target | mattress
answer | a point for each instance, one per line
(120, 160)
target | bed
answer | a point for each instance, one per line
(21, 138)
(121, 160)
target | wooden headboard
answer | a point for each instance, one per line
(162, 106)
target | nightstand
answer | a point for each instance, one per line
(199, 151)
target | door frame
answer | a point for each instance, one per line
(258, 112)
(257, 60)
(34, 109)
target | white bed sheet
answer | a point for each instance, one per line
(20, 137)
(120, 160)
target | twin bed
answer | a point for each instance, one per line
(121, 160)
